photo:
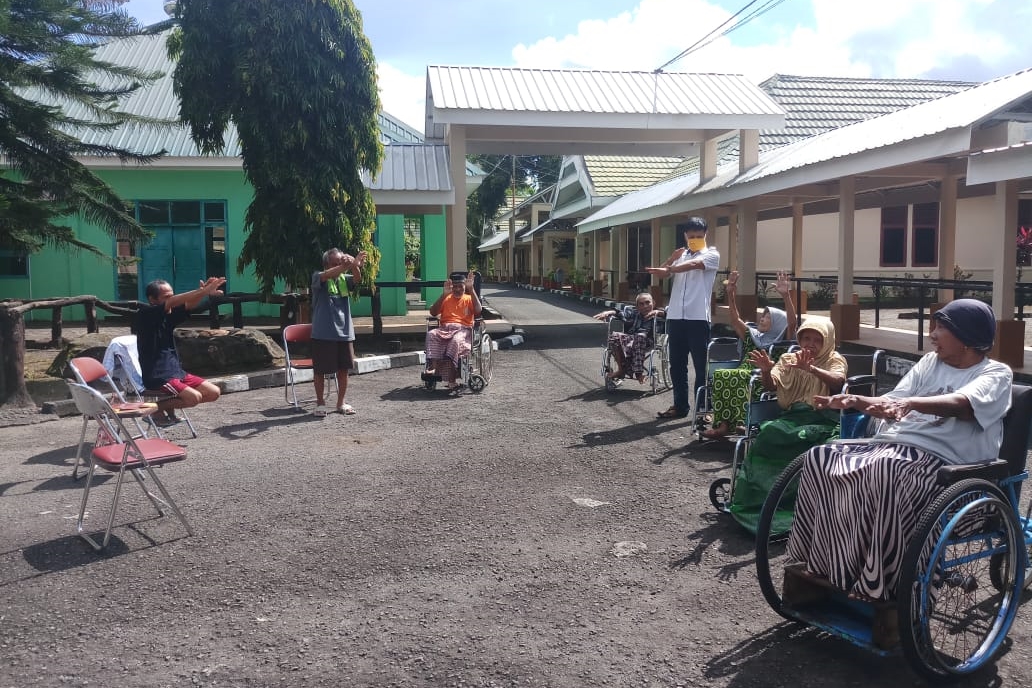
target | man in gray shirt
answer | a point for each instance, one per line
(333, 332)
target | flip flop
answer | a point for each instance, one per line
(672, 412)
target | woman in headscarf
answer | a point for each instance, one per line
(730, 389)
(858, 505)
(798, 377)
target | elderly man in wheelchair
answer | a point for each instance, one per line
(908, 519)
(450, 330)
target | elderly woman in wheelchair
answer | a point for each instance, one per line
(869, 514)
(815, 369)
(455, 311)
(629, 348)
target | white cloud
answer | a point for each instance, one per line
(403, 95)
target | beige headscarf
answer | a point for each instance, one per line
(794, 385)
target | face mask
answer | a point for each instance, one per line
(696, 244)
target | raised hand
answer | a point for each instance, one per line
(803, 360)
(761, 360)
(784, 285)
(360, 259)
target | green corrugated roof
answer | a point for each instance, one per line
(613, 175)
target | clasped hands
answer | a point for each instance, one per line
(878, 407)
(212, 286)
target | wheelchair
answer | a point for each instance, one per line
(962, 574)
(657, 360)
(474, 368)
(725, 353)
(722, 490)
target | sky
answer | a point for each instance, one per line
(968, 40)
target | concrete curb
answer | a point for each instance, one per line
(275, 378)
(587, 298)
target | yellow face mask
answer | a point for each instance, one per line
(696, 244)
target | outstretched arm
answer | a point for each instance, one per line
(740, 328)
(784, 287)
(953, 405)
(190, 299)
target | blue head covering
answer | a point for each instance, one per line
(970, 321)
(778, 325)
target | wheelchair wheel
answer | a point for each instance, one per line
(477, 383)
(485, 358)
(720, 494)
(607, 367)
(952, 619)
(772, 534)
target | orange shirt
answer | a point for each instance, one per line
(457, 310)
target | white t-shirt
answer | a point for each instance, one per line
(986, 385)
(691, 291)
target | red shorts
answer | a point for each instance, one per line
(177, 385)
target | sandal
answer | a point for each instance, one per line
(347, 410)
(672, 412)
(718, 432)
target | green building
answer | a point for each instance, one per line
(195, 205)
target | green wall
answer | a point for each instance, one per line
(433, 254)
(68, 273)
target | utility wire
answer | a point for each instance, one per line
(717, 33)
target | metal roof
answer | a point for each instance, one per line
(495, 242)
(412, 167)
(556, 111)
(583, 91)
(814, 105)
(929, 130)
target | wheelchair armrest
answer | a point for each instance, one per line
(992, 470)
(854, 381)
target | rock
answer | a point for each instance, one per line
(211, 352)
(91, 345)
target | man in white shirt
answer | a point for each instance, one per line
(688, 314)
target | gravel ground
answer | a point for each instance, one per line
(542, 533)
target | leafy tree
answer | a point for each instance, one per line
(298, 79)
(54, 93)
(533, 173)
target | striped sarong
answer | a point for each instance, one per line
(857, 509)
(450, 341)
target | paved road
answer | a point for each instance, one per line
(427, 541)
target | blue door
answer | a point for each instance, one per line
(175, 255)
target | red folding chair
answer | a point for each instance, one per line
(298, 335)
(91, 372)
(119, 451)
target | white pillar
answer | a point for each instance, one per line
(947, 233)
(455, 215)
(747, 221)
(1000, 230)
(846, 247)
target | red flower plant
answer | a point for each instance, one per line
(1024, 240)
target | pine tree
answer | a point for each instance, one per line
(54, 92)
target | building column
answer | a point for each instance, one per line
(797, 256)
(745, 257)
(456, 213)
(1010, 333)
(655, 258)
(614, 262)
(845, 315)
(596, 263)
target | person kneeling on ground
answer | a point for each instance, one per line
(456, 309)
(154, 326)
(629, 347)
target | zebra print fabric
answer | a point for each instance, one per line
(857, 509)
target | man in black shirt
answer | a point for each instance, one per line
(154, 326)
